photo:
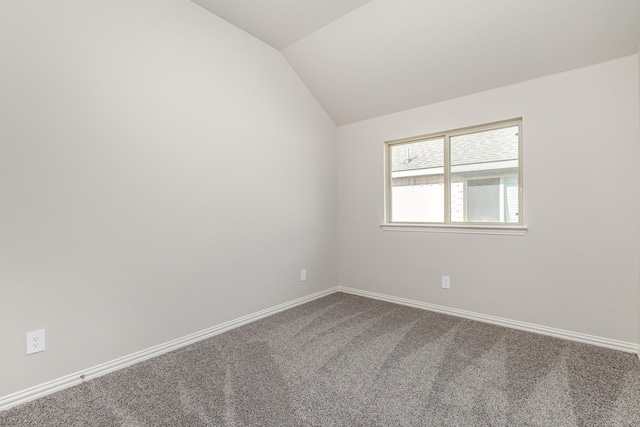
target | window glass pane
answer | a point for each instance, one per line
(484, 176)
(483, 200)
(417, 181)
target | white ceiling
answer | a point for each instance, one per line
(280, 22)
(363, 59)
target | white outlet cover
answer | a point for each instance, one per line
(446, 282)
(35, 341)
(303, 275)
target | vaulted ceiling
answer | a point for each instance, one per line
(366, 58)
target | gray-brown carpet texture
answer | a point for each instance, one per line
(345, 360)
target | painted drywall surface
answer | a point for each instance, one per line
(161, 172)
(577, 268)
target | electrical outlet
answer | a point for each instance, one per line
(303, 275)
(35, 341)
(446, 282)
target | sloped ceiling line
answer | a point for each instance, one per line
(367, 58)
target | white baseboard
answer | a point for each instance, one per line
(70, 380)
(523, 326)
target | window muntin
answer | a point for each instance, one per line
(468, 176)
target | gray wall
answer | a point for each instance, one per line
(577, 268)
(161, 172)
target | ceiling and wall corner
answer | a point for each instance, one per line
(389, 55)
(280, 23)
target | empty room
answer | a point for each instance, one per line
(319, 213)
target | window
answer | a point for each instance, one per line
(470, 176)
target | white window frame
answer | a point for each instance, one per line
(449, 226)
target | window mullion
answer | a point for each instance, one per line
(447, 181)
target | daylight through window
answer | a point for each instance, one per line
(467, 176)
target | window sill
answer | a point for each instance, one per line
(509, 230)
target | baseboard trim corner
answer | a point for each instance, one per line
(514, 324)
(76, 378)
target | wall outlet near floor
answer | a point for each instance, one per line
(446, 282)
(303, 275)
(35, 341)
